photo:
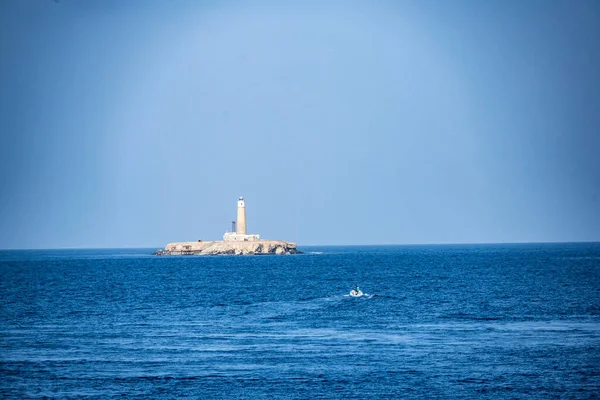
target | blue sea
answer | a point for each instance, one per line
(447, 321)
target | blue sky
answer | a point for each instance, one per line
(138, 123)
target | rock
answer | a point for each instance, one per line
(230, 247)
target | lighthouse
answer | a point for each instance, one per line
(241, 217)
(240, 234)
(235, 241)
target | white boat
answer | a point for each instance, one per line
(356, 292)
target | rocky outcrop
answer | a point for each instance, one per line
(257, 247)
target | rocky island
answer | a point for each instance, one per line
(233, 248)
(236, 242)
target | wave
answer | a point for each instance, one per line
(364, 295)
(467, 317)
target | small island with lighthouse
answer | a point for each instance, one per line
(236, 242)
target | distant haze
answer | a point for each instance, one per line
(136, 123)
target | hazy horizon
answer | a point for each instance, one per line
(134, 124)
(314, 245)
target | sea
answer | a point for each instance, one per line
(503, 321)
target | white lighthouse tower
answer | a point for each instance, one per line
(240, 235)
(241, 217)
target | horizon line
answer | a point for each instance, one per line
(324, 245)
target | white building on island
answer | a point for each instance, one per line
(240, 233)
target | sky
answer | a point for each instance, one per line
(138, 123)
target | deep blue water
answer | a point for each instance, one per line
(497, 321)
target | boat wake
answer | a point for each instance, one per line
(365, 295)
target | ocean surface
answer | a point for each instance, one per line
(448, 321)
